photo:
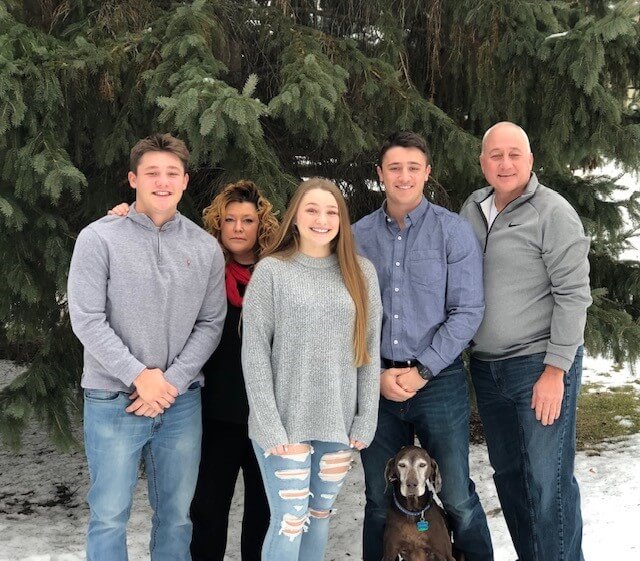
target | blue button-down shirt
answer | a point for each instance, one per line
(430, 275)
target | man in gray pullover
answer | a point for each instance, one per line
(527, 356)
(147, 301)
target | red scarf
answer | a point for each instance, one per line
(234, 276)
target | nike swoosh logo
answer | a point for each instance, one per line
(511, 225)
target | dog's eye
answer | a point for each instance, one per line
(422, 464)
(402, 464)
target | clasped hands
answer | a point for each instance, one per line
(400, 384)
(153, 394)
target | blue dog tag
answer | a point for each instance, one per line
(422, 525)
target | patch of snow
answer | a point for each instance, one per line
(43, 513)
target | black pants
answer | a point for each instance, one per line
(225, 449)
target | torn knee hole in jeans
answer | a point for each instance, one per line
(320, 513)
(295, 494)
(335, 465)
(300, 474)
(292, 526)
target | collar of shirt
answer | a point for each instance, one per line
(411, 218)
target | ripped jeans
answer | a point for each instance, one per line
(301, 487)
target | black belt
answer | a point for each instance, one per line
(399, 363)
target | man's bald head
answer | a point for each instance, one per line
(501, 125)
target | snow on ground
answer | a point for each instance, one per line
(43, 514)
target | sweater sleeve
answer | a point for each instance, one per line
(87, 296)
(564, 251)
(364, 423)
(258, 326)
(206, 333)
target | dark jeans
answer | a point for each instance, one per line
(533, 463)
(225, 449)
(439, 415)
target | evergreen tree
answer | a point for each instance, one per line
(277, 90)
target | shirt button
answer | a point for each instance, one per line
(399, 237)
(397, 263)
(396, 289)
(395, 316)
(395, 341)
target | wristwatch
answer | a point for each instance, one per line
(424, 371)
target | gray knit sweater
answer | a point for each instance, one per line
(536, 277)
(145, 297)
(297, 353)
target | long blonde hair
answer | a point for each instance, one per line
(287, 243)
(243, 191)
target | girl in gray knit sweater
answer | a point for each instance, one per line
(310, 353)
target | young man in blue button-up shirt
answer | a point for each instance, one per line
(429, 266)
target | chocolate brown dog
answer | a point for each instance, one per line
(416, 526)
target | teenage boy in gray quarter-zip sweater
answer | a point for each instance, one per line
(147, 301)
(527, 359)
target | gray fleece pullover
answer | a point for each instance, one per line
(297, 353)
(145, 297)
(536, 277)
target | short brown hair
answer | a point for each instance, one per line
(405, 139)
(159, 143)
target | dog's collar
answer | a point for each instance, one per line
(408, 512)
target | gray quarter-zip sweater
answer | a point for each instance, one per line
(536, 276)
(145, 297)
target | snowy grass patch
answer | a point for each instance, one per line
(606, 413)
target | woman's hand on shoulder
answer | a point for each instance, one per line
(357, 444)
(119, 210)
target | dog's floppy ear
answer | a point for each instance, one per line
(435, 478)
(390, 473)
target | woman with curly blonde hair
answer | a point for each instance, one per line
(244, 223)
(242, 191)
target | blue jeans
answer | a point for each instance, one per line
(439, 415)
(115, 441)
(533, 463)
(301, 490)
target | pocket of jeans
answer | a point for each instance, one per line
(101, 395)
(194, 386)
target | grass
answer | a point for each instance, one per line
(600, 414)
